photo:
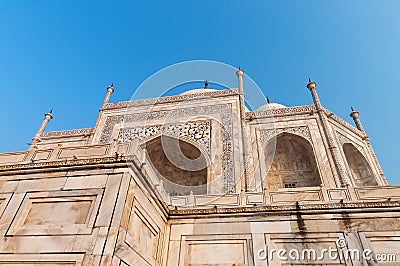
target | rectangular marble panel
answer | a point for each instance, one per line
(41, 155)
(89, 151)
(338, 194)
(252, 198)
(216, 200)
(58, 212)
(378, 193)
(84, 182)
(13, 157)
(222, 252)
(179, 201)
(301, 196)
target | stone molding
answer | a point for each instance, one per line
(279, 208)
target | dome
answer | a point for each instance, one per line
(201, 90)
(270, 106)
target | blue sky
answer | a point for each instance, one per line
(63, 54)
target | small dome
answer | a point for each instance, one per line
(195, 91)
(270, 106)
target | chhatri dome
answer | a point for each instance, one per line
(197, 91)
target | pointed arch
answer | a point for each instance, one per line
(292, 163)
(183, 168)
(359, 167)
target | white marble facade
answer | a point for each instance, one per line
(291, 178)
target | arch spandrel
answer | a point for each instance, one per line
(359, 167)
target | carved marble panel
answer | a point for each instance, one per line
(267, 134)
(199, 131)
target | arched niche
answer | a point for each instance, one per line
(359, 167)
(291, 163)
(180, 164)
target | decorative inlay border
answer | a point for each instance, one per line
(267, 134)
(199, 131)
(296, 110)
(223, 110)
(66, 133)
(167, 99)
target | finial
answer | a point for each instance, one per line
(112, 85)
(51, 111)
(268, 101)
(309, 80)
(239, 68)
(352, 109)
(206, 84)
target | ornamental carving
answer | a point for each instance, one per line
(297, 110)
(199, 131)
(267, 134)
(223, 110)
(66, 133)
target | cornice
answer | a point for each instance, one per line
(63, 163)
(270, 209)
(168, 99)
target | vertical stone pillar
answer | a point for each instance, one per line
(356, 117)
(47, 117)
(246, 165)
(340, 173)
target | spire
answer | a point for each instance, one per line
(206, 84)
(47, 117)
(268, 101)
(239, 74)
(110, 90)
(356, 118)
(311, 84)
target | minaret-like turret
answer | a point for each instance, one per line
(356, 117)
(340, 173)
(47, 117)
(246, 169)
(110, 90)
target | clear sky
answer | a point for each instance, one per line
(63, 54)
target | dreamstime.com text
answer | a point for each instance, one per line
(331, 254)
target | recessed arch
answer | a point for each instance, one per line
(291, 163)
(181, 164)
(359, 167)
